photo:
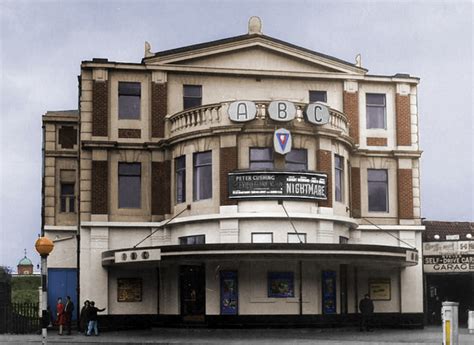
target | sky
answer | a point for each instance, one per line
(42, 44)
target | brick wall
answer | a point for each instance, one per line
(355, 192)
(324, 164)
(351, 109)
(129, 133)
(100, 109)
(403, 120)
(159, 109)
(405, 194)
(228, 163)
(99, 187)
(161, 188)
(376, 141)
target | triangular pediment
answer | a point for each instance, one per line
(253, 52)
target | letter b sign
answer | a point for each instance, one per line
(281, 111)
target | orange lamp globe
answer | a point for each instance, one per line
(44, 246)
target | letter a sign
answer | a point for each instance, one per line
(282, 141)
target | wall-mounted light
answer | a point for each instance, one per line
(436, 237)
(469, 236)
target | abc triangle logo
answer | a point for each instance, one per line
(282, 141)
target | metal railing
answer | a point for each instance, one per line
(19, 318)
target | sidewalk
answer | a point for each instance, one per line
(180, 336)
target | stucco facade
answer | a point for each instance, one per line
(137, 261)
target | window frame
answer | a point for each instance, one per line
(196, 186)
(195, 237)
(287, 161)
(261, 233)
(271, 160)
(339, 178)
(119, 189)
(67, 199)
(369, 106)
(374, 184)
(298, 236)
(180, 176)
(191, 98)
(122, 92)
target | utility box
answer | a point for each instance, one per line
(470, 321)
(449, 313)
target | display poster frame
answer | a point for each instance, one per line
(229, 293)
(380, 289)
(129, 289)
(328, 289)
(281, 284)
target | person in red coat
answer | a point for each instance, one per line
(61, 316)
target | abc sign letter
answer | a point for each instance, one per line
(317, 113)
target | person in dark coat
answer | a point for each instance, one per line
(366, 307)
(92, 315)
(68, 309)
(83, 318)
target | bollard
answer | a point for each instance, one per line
(470, 321)
(449, 313)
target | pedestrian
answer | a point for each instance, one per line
(92, 314)
(366, 307)
(60, 316)
(83, 318)
(68, 309)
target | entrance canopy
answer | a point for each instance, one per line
(343, 253)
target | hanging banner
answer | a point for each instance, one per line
(282, 141)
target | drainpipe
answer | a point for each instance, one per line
(78, 202)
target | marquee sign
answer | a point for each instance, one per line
(242, 111)
(282, 141)
(448, 256)
(277, 185)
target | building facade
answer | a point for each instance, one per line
(244, 180)
(448, 266)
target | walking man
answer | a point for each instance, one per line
(366, 307)
(68, 309)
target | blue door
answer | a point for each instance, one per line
(62, 282)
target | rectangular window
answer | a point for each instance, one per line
(180, 166)
(129, 175)
(192, 96)
(129, 100)
(378, 190)
(67, 198)
(262, 237)
(261, 158)
(318, 96)
(296, 238)
(375, 109)
(343, 240)
(202, 179)
(196, 239)
(339, 177)
(296, 160)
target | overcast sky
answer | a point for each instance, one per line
(42, 44)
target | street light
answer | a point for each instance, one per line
(44, 246)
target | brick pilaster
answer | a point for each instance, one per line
(351, 109)
(355, 192)
(100, 108)
(405, 193)
(161, 188)
(402, 105)
(228, 163)
(324, 165)
(100, 187)
(159, 108)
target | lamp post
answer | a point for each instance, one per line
(44, 246)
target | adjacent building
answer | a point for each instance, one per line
(240, 181)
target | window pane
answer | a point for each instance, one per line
(317, 96)
(129, 185)
(262, 237)
(197, 239)
(338, 186)
(202, 179)
(296, 238)
(180, 163)
(129, 100)
(192, 91)
(261, 166)
(338, 177)
(375, 99)
(378, 190)
(375, 110)
(67, 189)
(296, 160)
(261, 154)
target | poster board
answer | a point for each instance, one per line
(380, 289)
(129, 290)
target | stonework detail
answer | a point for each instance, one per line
(403, 120)
(129, 133)
(355, 192)
(228, 163)
(161, 188)
(324, 165)
(351, 109)
(159, 109)
(405, 194)
(99, 187)
(100, 109)
(376, 141)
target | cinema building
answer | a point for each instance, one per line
(240, 181)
